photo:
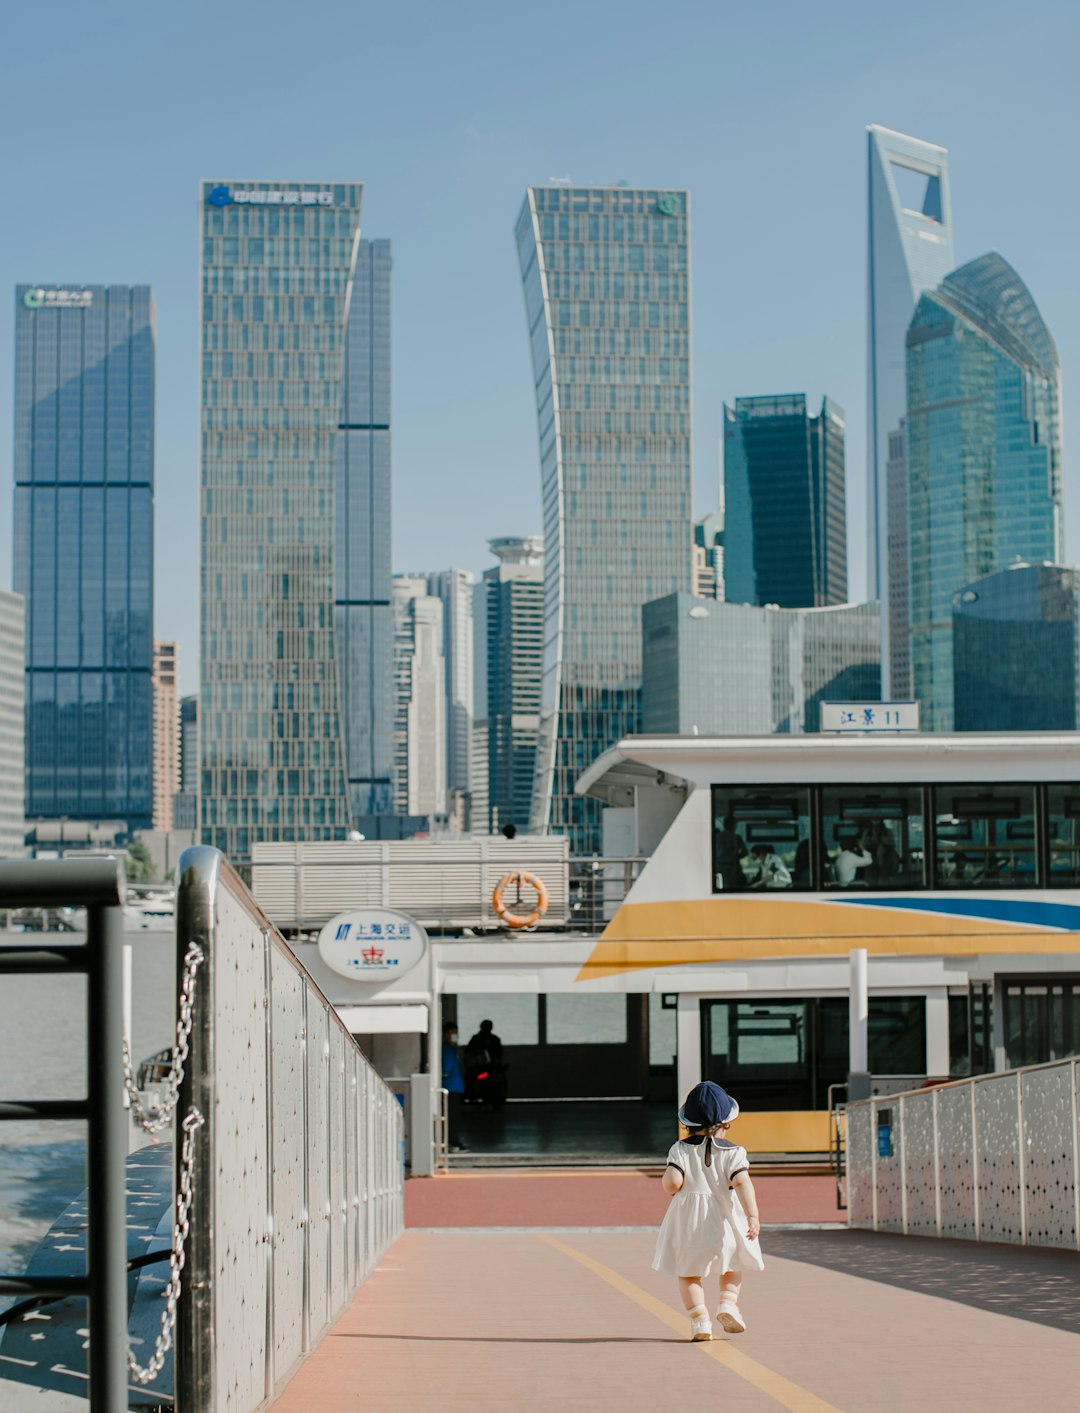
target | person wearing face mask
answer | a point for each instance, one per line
(453, 1081)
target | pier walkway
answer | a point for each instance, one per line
(537, 1310)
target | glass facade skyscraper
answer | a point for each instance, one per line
(363, 616)
(730, 669)
(514, 638)
(785, 528)
(84, 547)
(606, 273)
(1016, 650)
(295, 514)
(983, 452)
(910, 249)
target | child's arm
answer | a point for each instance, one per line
(672, 1179)
(748, 1198)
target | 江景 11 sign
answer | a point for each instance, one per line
(372, 944)
(870, 716)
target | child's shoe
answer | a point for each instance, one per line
(700, 1324)
(730, 1319)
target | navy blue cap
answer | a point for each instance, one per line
(707, 1105)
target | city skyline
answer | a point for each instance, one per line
(459, 364)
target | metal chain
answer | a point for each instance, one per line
(193, 1121)
(160, 1118)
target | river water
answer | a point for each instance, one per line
(43, 1056)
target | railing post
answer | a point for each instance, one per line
(106, 1157)
(1021, 1164)
(194, 1347)
(975, 1163)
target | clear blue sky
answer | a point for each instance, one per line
(113, 111)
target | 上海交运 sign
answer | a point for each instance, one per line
(372, 944)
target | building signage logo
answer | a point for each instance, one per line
(58, 298)
(870, 716)
(669, 204)
(372, 945)
(225, 196)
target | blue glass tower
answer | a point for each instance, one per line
(785, 532)
(84, 546)
(983, 451)
(606, 272)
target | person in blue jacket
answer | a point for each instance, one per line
(453, 1081)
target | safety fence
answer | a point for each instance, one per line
(297, 1172)
(994, 1158)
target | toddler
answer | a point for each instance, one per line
(704, 1222)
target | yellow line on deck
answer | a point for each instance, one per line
(787, 1394)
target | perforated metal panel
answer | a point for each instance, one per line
(241, 1218)
(287, 1057)
(996, 1136)
(956, 1163)
(318, 1166)
(917, 1120)
(1049, 1170)
(890, 1175)
(857, 1161)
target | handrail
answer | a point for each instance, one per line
(293, 1111)
(97, 885)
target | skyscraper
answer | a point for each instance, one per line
(515, 653)
(186, 799)
(709, 556)
(785, 531)
(166, 733)
(295, 467)
(732, 669)
(606, 273)
(983, 451)
(1016, 650)
(12, 724)
(420, 713)
(363, 617)
(910, 249)
(454, 589)
(84, 546)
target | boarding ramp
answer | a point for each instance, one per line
(993, 1158)
(297, 1174)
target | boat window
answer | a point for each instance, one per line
(984, 836)
(872, 837)
(761, 838)
(1063, 835)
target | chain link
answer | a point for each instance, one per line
(192, 1122)
(154, 1121)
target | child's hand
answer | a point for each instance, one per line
(753, 1228)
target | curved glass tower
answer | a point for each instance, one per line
(983, 452)
(607, 296)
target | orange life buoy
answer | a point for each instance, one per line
(521, 879)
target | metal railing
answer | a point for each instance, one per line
(992, 1158)
(97, 885)
(297, 1173)
(597, 887)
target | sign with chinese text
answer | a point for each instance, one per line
(870, 716)
(58, 298)
(226, 196)
(373, 944)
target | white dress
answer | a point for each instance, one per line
(705, 1221)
